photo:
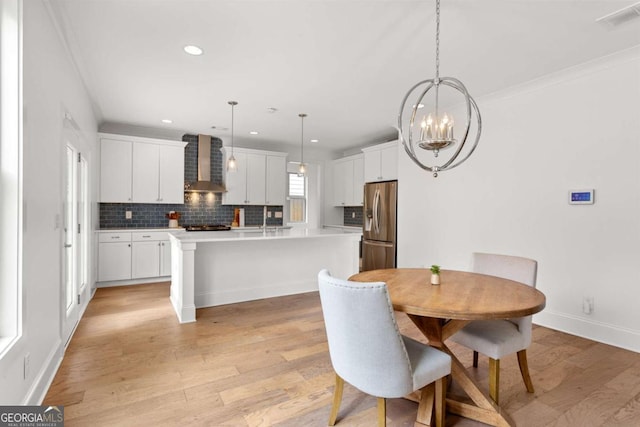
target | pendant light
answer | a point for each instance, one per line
(302, 169)
(232, 164)
(435, 130)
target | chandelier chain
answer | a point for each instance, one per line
(437, 41)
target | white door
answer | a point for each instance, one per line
(71, 250)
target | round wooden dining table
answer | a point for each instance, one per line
(439, 311)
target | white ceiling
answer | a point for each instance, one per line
(347, 63)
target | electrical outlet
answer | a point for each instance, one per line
(27, 367)
(587, 305)
(353, 214)
(128, 215)
(269, 214)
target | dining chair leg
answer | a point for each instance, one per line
(441, 394)
(382, 412)
(524, 370)
(494, 378)
(337, 398)
(475, 359)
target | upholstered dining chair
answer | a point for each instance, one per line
(499, 338)
(368, 351)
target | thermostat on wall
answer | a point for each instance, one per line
(581, 197)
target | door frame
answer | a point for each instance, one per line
(76, 220)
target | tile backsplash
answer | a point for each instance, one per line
(197, 209)
(353, 216)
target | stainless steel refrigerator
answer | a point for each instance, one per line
(379, 229)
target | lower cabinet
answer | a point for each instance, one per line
(165, 258)
(145, 259)
(133, 255)
(114, 260)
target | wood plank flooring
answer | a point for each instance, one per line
(266, 363)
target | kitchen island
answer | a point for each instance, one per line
(212, 268)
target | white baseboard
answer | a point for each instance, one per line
(43, 380)
(132, 282)
(248, 294)
(628, 339)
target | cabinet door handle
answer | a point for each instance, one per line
(146, 237)
(129, 245)
(115, 237)
(67, 245)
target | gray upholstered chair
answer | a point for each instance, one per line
(368, 351)
(499, 338)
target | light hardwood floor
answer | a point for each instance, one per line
(266, 363)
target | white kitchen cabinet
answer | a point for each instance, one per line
(260, 178)
(276, 180)
(348, 181)
(141, 170)
(114, 260)
(133, 255)
(145, 259)
(145, 173)
(381, 162)
(171, 185)
(256, 176)
(115, 171)
(358, 181)
(236, 181)
(165, 258)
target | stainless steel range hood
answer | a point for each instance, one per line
(204, 184)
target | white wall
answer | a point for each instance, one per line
(572, 130)
(51, 87)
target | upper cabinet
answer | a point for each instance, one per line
(381, 162)
(141, 170)
(260, 178)
(276, 180)
(348, 181)
(115, 171)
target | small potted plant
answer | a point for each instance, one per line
(435, 274)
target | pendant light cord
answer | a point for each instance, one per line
(233, 105)
(302, 116)
(437, 79)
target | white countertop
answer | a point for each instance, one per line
(350, 228)
(125, 230)
(231, 236)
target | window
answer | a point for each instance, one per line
(10, 171)
(297, 198)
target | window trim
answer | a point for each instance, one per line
(11, 170)
(305, 198)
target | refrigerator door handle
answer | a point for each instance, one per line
(375, 243)
(376, 211)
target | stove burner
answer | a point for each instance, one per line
(207, 227)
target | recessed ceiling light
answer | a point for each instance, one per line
(314, 140)
(167, 121)
(193, 50)
(253, 132)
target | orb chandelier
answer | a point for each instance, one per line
(435, 131)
